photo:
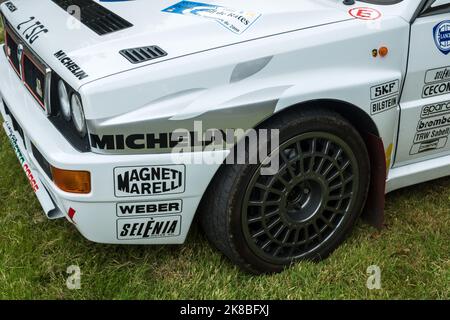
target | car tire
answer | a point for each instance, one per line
(306, 210)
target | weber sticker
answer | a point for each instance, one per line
(384, 90)
(148, 181)
(149, 208)
(148, 228)
(433, 128)
(237, 21)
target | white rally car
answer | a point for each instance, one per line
(356, 95)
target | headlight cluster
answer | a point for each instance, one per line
(71, 107)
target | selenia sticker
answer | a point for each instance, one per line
(441, 34)
(236, 21)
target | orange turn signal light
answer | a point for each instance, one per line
(383, 51)
(72, 181)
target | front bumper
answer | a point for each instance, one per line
(107, 214)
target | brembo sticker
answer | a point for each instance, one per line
(149, 181)
(433, 128)
(237, 21)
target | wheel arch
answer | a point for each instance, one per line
(373, 212)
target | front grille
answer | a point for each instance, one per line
(138, 55)
(94, 16)
(34, 79)
(11, 46)
(28, 67)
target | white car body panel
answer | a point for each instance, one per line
(294, 52)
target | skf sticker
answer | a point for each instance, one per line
(365, 13)
(148, 181)
(441, 35)
(147, 228)
(384, 97)
(237, 21)
(149, 208)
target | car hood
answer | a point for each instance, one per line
(178, 28)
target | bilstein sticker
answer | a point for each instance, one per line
(383, 105)
(149, 208)
(237, 21)
(148, 228)
(148, 181)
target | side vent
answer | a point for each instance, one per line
(139, 55)
(94, 16)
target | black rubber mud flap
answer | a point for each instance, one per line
(373, 212)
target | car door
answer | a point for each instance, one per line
(425, 102)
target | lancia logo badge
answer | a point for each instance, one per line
(441, 34)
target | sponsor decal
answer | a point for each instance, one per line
(11, 6)
(383, 105)
(365, 13)
(237, 21)
(148, 228)
(384, 90)
(437, 89)
(71, 65)
(31, 29)
(437, 75)
(148, 181)
(149, 208)
(151, 141)
(384, 97)
(23, 161)
(435, 109)
(441, 35)
(433, 128)
(429, 146)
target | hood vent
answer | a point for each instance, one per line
(138, 55)
(94, 16)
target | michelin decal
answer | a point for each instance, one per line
(237, 21)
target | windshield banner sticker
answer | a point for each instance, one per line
(236, 21)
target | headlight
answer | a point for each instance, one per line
(78, 114)
(64, 100)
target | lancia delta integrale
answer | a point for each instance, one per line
(114, 110)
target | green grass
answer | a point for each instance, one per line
(413, 252)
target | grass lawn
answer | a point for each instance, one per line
(413, 252)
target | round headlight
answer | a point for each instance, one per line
(64, 100)
(78, 114)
